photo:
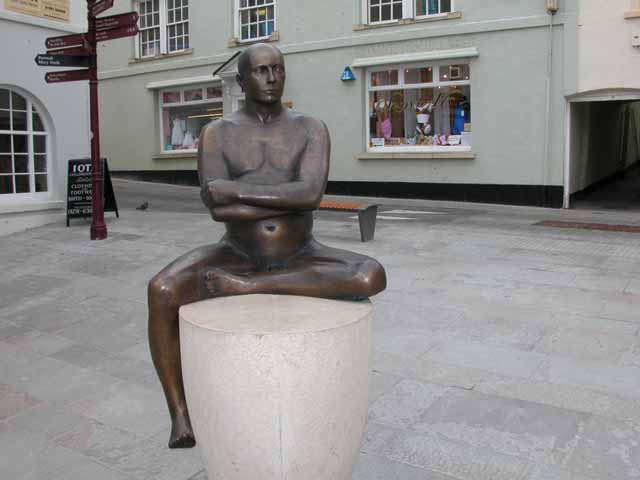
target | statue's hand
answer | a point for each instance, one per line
(223, 192)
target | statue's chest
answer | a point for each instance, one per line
(270, 153)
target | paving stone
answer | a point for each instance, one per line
(381, 382)
(370, 467)
(26, 455)
(95, 440)
(621, 380)
(88, 469)
(9, 330)
(126, 406)
(13, 402)
(513, 362)
(587, 344)
(541, 433)
(431, 452)
(608, 449)
(48, 419)
(151, 460)
(405, 403)
(56, 381)
(42, 343)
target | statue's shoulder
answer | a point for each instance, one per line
(310, 123)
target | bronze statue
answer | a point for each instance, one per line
(263, 170)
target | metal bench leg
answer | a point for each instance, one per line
(367, 220)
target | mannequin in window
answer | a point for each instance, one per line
(177, 134)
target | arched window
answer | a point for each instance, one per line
(24, 146)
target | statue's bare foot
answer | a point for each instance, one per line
(181, 433)
(223, 284)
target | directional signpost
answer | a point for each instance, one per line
(79, 50)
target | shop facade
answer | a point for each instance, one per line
(41, 126)
(443, 99)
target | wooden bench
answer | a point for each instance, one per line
(366, 215)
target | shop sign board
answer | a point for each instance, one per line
(116, 33)
(67, 76)
(117, 21)
(64, 41)
(80, 189)
(50, 9)
(62, 61)
(100, 6)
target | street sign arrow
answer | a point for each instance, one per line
(116, 33)
(62, 61)
(100, 6)
(67, 76)
(65, 41)
(75, 51)
(117, 21)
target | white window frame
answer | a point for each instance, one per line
(182, 103)
(401, 85)
(30, 134)
(408, 12)
(237, 27)
(164, 27)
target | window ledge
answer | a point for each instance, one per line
(632, 14)
(176, 155)
(236, 42)
(188, 51)
(417, 156)
(408, 21)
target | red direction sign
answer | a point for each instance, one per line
(75, 51)
(116, 33)
(67, 76)
(117, 21)
(65, 41)
(100, 6)
(61, 61)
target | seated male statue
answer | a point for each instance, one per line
(263, 170)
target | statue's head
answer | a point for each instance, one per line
(261, 73)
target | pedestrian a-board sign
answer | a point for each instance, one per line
(80, 191)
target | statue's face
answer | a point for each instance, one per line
(263, 82)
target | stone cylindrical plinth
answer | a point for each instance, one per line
(277, 386)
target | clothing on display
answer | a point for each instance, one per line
(177, 134)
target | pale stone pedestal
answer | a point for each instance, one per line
(277, 386)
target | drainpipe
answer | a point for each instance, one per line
(552, 8)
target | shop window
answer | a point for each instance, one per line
(183, 113)
(164, 27)
(23, 146)
(419, 108)
(386, 11)
(255, 19)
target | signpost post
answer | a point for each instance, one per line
(79, 50)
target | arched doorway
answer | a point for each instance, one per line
(25, 147)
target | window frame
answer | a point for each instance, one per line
(163, 25)
(402, 85)
(237, 26)
(30, 133)
(408, 12)
(182, 103)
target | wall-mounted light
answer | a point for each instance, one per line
(552, 6)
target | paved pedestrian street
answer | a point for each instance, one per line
(504, 349)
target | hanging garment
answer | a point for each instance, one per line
(459, 120)
(177, 134)
(188, 140)
(386, 128)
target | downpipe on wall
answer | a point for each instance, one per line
(552, 9)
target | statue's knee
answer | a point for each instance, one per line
(161, 290)
(372, 277)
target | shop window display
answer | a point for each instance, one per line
(420, 108)
(183, 114)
